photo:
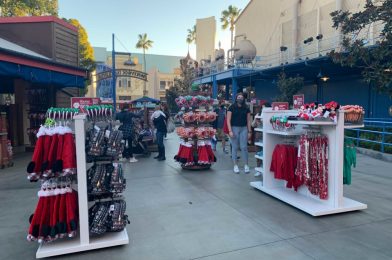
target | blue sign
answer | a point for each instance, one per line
(104, 86)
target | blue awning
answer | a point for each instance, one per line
(40, 76)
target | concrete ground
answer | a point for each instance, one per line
(215, 214)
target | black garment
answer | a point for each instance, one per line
(160, 124)
(125, 118)
(239, 115)
(161, 146)
(128, 151)
(215, 123)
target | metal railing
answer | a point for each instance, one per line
(314, 49)
(376, 132)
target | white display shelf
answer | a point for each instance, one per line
(259, 157)
(275, 132)
(303, 122)
(82, 242)
(259, 169)
(259, 144)
(303, 200)
(69, 246)
(352, 126)
(308, 204)
(259, 129)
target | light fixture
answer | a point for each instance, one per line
(283, 48)
(388, 70)
(322, 77)
(325, 78)
(319, 37)
(319, 75)
(308, 40)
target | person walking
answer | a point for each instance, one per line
(126, 119)
(219, 124)
(159, 120)
(239, 125)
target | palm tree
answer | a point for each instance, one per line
(191, 37)
(144, 43)
(228, 19)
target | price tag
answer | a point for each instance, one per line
(107, 133)
(111, 207)
(97, 128)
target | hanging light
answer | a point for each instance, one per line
(324, 78)
(308, 40)
(283, 48)
(319, 37)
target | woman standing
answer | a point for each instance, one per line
(159, 120)
(239, 124)
(126, 117)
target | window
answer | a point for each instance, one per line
(119, 83)
(162, 85)
(169, 84)
(129, 83)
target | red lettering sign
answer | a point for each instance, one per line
(298, 101)
(280, 105)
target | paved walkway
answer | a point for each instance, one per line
(178, 214)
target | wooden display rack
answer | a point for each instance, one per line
(303, 199)
(83, 242)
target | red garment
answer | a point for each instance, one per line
(312, 163)
(283, 164)
(225, 127)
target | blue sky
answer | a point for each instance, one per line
(165, 22)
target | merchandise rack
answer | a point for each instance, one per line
(303, 199)
(83, 242)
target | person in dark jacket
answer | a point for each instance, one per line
(165, 110)
(125, 117)
(159, 120)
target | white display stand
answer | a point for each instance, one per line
(83, 242)
(303, 199)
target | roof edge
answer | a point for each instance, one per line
(37, 19)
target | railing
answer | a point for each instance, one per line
(314, 49)
(377, 135)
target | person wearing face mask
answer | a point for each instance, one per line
(239, 124)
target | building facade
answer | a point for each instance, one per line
(39, 62)
(205, 40)
(296, 36)
(161, 69)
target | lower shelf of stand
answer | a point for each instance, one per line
(259, 169)
(353, 126)
(307, 204)
(197, 167)
(68, 246)
(260, 144)
(259, 157)
(289, 133)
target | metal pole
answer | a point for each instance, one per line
(114, 74)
